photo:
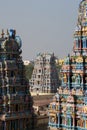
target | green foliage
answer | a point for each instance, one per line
(58, 67)
(28, 70)
(58, 70)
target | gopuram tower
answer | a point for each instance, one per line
(15, 99)
(44, 78)
(68, 111)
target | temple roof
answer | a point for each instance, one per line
(82, 13)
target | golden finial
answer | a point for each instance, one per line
(2, 33)
(7, 32)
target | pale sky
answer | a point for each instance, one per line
(44, 25)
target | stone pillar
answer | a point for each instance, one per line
(58, 116)
(69, 81)
(4, 125)
(73, 121)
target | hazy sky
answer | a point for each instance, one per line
(44, 25)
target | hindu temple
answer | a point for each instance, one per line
(15, 99)
(45, 76)
(68, 111)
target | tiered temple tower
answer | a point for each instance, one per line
(15, 99)
(68, 111)
(45, 77)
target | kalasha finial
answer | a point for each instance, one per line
(2, 33)
(7, 32)
(12, 33)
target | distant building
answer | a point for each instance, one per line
(45, 77)
(26, 62)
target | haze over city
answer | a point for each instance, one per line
(44, 25)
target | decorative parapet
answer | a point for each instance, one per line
(66, 91)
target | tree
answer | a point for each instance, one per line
(28, 70)
(58, 66)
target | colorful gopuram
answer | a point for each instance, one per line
(68, 111)
(15, 99)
